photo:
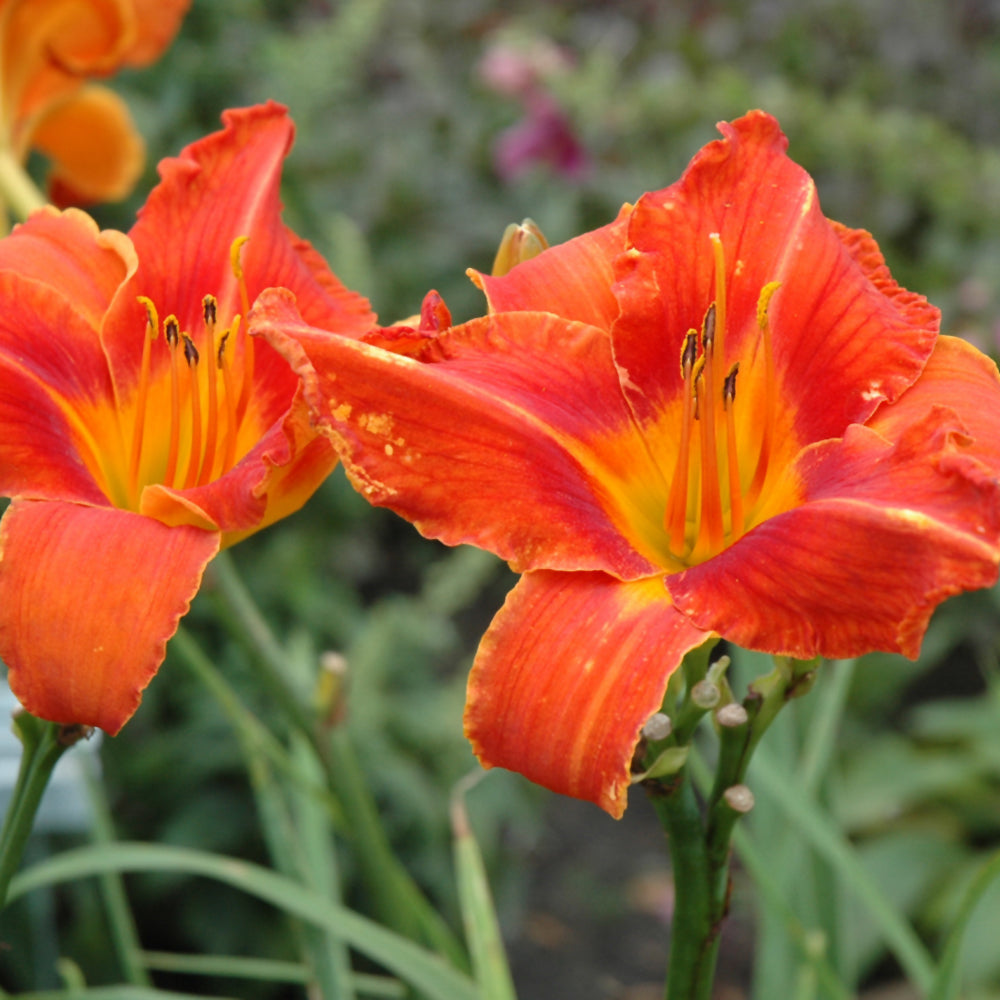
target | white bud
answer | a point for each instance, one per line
(739, 798)
(732, 715)
(705, 694)
(658, 727)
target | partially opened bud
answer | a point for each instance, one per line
(518, 244)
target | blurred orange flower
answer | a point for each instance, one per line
(49, 48)
(143, 428)
(718, 415)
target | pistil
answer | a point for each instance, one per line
(152, 328)
(677, 508)
(171, 333)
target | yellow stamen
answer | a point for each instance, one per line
(720, 296)
(152, 327)
(171, 333)
(194, 458)
(209, 311)
(675, 520)
(711, 501)
(735, 489)
(770, 393)
(235, 253)
(229, 396)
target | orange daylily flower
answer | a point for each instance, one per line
(716, 416)
(143, 429)
(49, 48)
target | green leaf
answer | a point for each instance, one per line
(426, 972)
(947, 980)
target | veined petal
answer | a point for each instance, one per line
(220, 189)
(845, 337)
(887, 531)
(53, 371)
(567, 675)
(484, 441)
(89, 597)
(572, 280)
(96, 152)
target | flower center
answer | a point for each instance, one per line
(722, 462)
(188, 415)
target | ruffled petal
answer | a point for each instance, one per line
(572, 280)
(157, 22)
(568, 673)
(964, 380)
(485, 441)
(96, 152)
(887, 531)
(220, 189)
(73, 258)
(845, 337)
(89, 597)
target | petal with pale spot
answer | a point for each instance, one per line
(486, 442)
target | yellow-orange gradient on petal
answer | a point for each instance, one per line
(49, 49)
(718, 415)
(144, 427)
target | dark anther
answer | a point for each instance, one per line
(171, 330)
(208, 306)
(221, 352)
(708, 329)
(190, 351)
(729, 386)
(689, 354)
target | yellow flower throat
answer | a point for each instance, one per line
(204, 398)
(715, 487)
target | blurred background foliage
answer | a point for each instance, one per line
(398, 177)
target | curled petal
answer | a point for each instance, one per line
(89, 597)
(96, 152)
(272, 481)
(75, 260)
(157, 22)
(567, 675)
(962, 379)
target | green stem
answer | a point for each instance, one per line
(16, 188)
(44, 743)
(700, 893)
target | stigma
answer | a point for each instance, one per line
(725, 443)
(192, 393)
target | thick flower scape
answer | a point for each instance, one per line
(719, 415)
(144, 428)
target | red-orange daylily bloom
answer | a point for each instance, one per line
(716, 416)
(49, 48)
(143, 428)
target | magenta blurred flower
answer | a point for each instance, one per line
(545, 134)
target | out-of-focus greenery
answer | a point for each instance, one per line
(892, 105)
